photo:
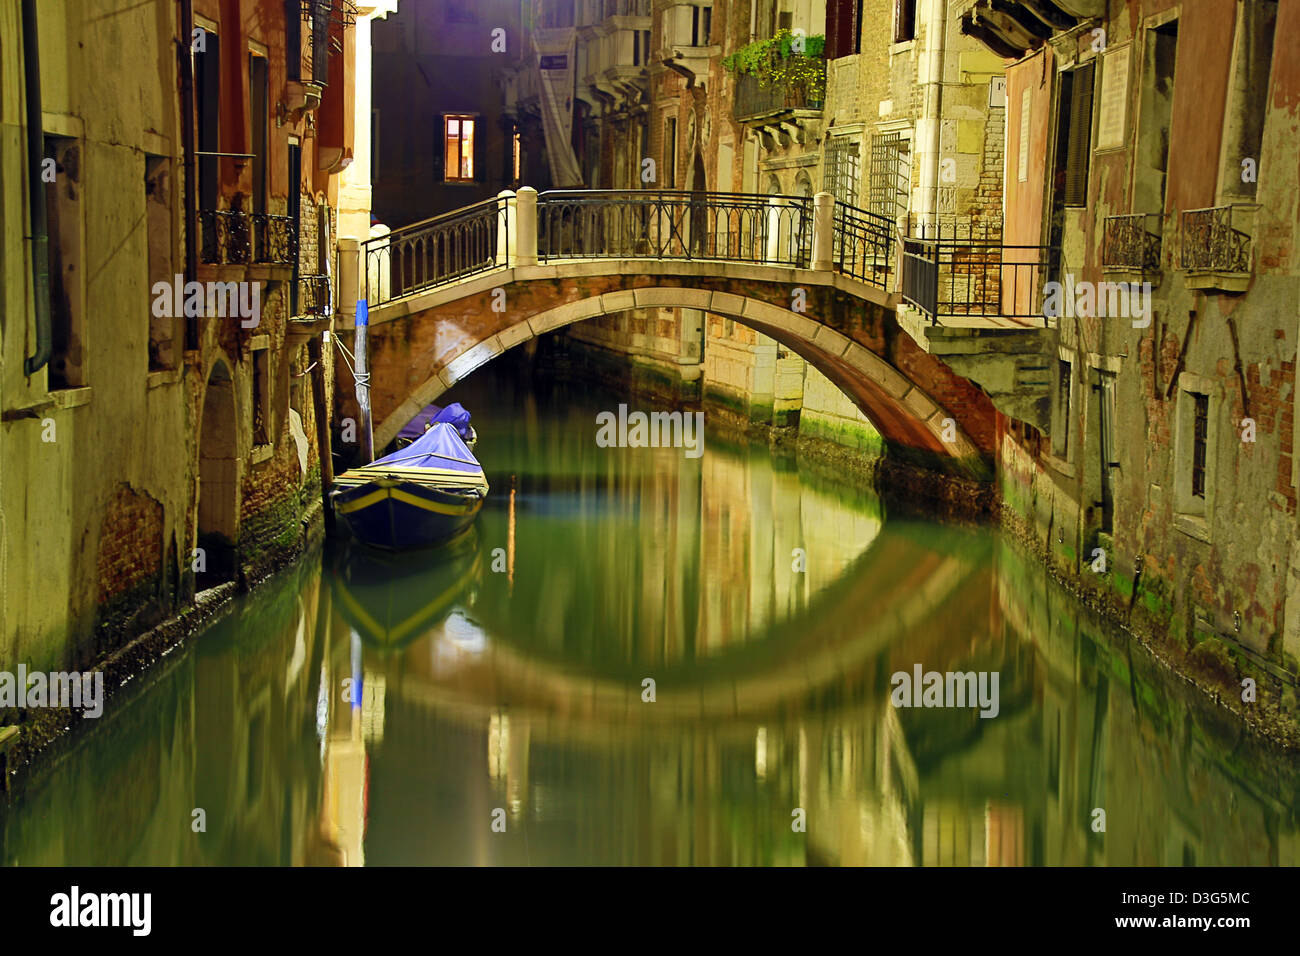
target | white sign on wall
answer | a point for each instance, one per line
(1026, 103)
(1112, 127)
(998, 92)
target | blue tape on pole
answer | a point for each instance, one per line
(363, 312)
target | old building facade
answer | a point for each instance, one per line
(162, 356)
(1151, 151)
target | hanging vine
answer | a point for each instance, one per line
(778, 62)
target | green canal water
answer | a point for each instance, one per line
(488, 704)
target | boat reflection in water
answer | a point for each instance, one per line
(389, 600)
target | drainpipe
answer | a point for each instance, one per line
(932, 91)
(187, 148)
(36, 190)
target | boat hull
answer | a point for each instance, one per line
(405, 515)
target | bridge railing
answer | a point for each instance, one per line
(526, 228)
(664, 224)
(864, 246)
(436, 251)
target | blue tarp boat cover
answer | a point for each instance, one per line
(454, 414)
(439, 447)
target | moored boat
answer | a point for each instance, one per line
(454, 414)
(417, 497)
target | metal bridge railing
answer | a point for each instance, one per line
(662, 224)
(436, 251)
(863, 246)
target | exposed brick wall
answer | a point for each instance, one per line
(130, 543)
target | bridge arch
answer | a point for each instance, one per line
(908, 414)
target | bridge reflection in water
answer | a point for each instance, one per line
(471, 689)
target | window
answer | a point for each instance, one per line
(1157, 97)
(261, 397)
(293, 39)
(1252, 63)
(259, 99)
(843, 20)
(63, 212)
(295, 214)
(458, 137)
(891, 174)
(1200, 442)
(1106, 448)
(904, 20)
(207, 106)
(1076, 112)
(1198, 406)
(321, 10)
(670, 153)
(158, 235)
(374, 145)
(701, 20)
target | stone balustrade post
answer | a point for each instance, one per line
(823, 243)
(349, 280)
(507, 228)
(525, 220)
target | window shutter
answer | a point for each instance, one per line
(480, 151)
(1079, 147)
(439, 148)
(841, 28)
(832, 28)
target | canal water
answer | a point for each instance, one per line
(639, 657)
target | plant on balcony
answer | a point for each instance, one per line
(777, 62)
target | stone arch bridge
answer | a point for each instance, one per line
(447, 295)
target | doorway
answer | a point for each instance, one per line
(218, 482)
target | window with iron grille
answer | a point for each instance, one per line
(842, 166)
(891, 174)
(1200, 441)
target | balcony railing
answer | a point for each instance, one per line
(275, 239)
(652, 224)
(224, 237)
(1217, 239)
(233, 237)
(436, 251)
(967, 271)
(754, 99)
(1132, 243)
(313, 297)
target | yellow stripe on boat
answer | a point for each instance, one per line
(397, 494)
(399, 632)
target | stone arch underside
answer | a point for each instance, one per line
(413, 367)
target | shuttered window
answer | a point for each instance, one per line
(842, 21)
(904, 20)
(1079, 144)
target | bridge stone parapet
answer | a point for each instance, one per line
(448, 295)
(422, 345)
